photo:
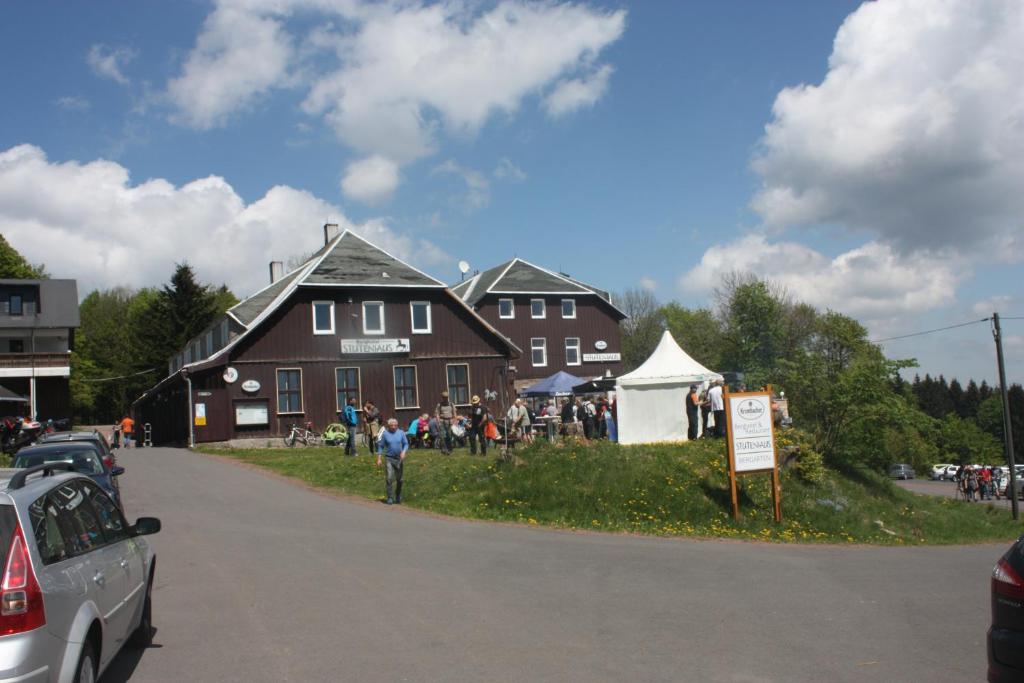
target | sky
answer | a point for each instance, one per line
(867, 157)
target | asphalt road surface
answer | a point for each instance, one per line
(946, 489)
(260, 579)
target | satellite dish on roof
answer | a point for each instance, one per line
(463, 267)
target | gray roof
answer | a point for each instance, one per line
(58, 305)
(521, 277)
(353, 261)
(347, 261)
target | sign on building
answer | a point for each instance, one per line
(602, 357)
(751, 440)
(371, 346)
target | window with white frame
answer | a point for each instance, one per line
(506, 308)
(405, 386)
(572, 350)
(420, 313)
(323, 317)
(537, 308)
(373, 317)
(289, 391)
(568, 308)
(458, 384)
(346, 381)
(539, 351)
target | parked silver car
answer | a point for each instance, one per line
(77, 578)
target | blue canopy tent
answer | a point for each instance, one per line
(558, 384)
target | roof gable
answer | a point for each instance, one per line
(351, 260)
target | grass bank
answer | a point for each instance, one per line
(668, 490)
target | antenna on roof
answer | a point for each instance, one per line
(463, 268)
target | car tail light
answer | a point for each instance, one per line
(21, 601)
(1006, 581)
(109, 462)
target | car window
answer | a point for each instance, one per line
(111, 521)
(80, 527)
(82, 456)
(46, 527)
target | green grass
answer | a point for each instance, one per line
(667, 490)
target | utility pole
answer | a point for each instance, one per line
(1007, 429)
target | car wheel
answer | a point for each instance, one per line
(142, 636)
(86, 672)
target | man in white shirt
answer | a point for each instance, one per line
(717, 407)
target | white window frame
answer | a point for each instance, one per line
(394, 386)
(412, 317)
(374, 303)
(359, 383)
(569, 317)
(312, 309)
(277, 392)
(512, 308)
(577, 346)
(543, 309)
(469, 388)
(543, 348)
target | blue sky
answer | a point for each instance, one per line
(863, 157)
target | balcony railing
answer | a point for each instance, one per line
(38, 360)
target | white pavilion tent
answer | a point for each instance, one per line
(650, 401)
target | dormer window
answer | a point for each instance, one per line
(506, 309)
(537, 308)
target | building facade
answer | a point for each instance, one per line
(560, 323)
(38, 319)
(353, 321)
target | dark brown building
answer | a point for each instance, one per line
(353, 321)
(560, 323)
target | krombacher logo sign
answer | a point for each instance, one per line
(370, 346)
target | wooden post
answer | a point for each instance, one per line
(731, 456)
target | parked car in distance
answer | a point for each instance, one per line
(950, 473)
(939, 471)
(77, 579)
(93, 437)
(81, 454)
(1006, 634)
(901, 471)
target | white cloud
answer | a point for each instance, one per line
(239, 56)
(108, 62)
(999, 304)
(73, 103)
(872, 282)
(371, 180)
(390, 78)
(576, 93)
(506, 170)
(113, 232)
(915, 135)
(478, 189)
(650, 284)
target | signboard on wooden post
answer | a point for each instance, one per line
(751, 439)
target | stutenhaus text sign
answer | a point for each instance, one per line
(370, 346)
(751, 441)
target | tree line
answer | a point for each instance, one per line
(848, 397)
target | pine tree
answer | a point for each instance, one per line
(956, 397)
(971, 400)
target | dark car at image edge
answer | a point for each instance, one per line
(1006, 635)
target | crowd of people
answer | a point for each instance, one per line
(979, 482)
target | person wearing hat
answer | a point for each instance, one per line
(692, 413)
(444, 413)
(477, 420)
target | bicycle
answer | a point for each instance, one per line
(306, 435)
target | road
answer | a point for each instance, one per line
(946, 489)
(261, 579)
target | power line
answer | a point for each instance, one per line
(111, 379)
(937, 329)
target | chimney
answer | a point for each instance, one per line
(276, 271)
(330, 232)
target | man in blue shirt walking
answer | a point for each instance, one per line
(351, 416)
(393, 445)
